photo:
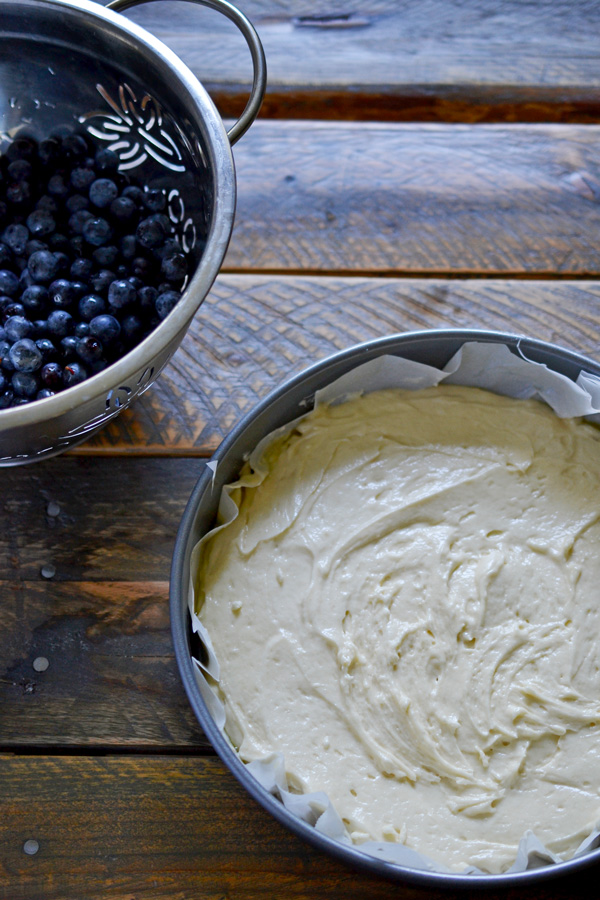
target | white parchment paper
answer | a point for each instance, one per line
(491, 366)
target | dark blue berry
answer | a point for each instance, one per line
(25, 356)
(102, 192)
(106, 160)
(123, 208)
(17, 327)
(89, 349)
(105, 256)
(165, 302)
(155, 200)
(63, 294)
(57, 187)
(16, 237)
(174, 267)
(76, 202)
(40, 222)
(105, 327)
(121, 293)
(82, 177)
(134, 193)
(152, 231)
(81, 269)
(101, 280)
(44, 393)
(90, 306)
(68, 347)
(73, 373)
(46, 348)
(19, 170)
(96, 231)
(25, 384)
(77, 220)
(60, 323)
(43, 266)
(8, 283)
(82, 329)
(52, 376)
(35, 298)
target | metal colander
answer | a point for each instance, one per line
(73, 64)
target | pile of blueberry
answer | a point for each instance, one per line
(89, 264)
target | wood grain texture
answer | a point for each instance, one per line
(122, 828)
(253, 332)
(102, 621)
(479, 60)
(411, 199)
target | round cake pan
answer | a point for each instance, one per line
(292, 399)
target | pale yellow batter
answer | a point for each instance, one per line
(407, 607)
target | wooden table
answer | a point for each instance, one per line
(416, 165)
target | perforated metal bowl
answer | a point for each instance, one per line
(74, 63)
(434, 348)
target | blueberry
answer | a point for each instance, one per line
(17, 327)
(82, 177)
(6, 254)
(96, 231)
(50, 152)
(40, 222)
(78, 219)
(74, 146)
(59, 243)
(57, 187)
(68, 347)
(174, 267)
(16, 237)
(90, 306)
(81, 269)
(62, 293)
(101, 280)
(152, 231)
(6, 399)
(52, 376)
(60, 323)
(106, 160)
(35, 298)
(105, 327)
(76, 202)
(131, 328)
(155, 200)
(123, 208)
(8, 283)
(102, 192)
(11, 308)
(121, 293)
(33, 245)
(18, 193)
(73, 373)
(44, 393)
(105, 256)
(46, 348)
(134, 193)
(48, 204)
(128, 246)
(43, 266)
(25, 356)
(19, 170)
(89, 349)
(165, 302)
(147, 297)
(25, 384)
(82, 329)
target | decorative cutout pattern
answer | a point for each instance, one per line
(134, 130)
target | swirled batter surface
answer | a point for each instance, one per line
(407, 608)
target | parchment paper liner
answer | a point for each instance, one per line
(479, 364)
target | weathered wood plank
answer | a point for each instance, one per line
(253, 332)
(114, 828)
(412, 199)
(102, 621)
(479, 60)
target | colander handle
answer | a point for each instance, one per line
(258, 57)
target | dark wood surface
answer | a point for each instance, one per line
(390, 208)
